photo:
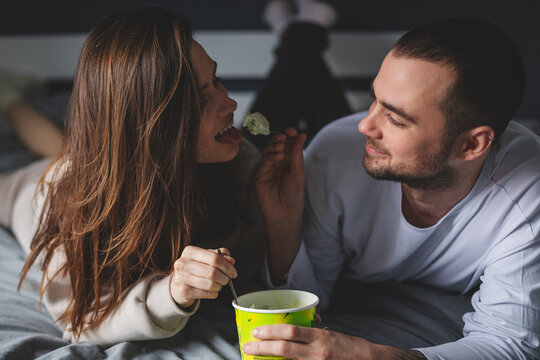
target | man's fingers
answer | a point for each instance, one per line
(286, 349)
(285, 332)
(297, 155)
(291, 132)
(269, 160)
(277, 139)
(275, 147)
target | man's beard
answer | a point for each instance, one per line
(434, 172)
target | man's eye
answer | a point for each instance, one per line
(394, 121)
(217, 80)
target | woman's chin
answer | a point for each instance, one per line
(222, 153)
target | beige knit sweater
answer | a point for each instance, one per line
(148, 310)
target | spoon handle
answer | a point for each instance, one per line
(231, 286)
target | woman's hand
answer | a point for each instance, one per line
(200, 274)
(280, 191)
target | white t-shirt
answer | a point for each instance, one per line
(353, 226)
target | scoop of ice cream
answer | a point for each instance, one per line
(256, 123)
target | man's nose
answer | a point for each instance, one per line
(369, 125)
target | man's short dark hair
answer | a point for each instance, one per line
(490, 75)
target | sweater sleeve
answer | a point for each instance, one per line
(147, 311)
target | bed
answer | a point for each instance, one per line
(395, 314)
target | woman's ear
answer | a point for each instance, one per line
(475, 142)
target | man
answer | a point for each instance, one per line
(446, 194)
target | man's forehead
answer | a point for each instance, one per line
(411, 79)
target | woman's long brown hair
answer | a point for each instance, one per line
(127, 200)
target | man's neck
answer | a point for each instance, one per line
(424, 208)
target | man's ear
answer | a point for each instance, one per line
(475, 142)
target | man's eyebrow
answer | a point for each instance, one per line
(204, 86)
(399, 111)
(395, 109)
(371, 91)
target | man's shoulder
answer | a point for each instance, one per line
(515, 170)
(337, 141)
(517, 151)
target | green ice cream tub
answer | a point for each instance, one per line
(273, 307)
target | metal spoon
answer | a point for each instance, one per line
(231, 286)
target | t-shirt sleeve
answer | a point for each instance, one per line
(505, 323)
(321, 256)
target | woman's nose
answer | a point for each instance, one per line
(228, 105)
(233, 103)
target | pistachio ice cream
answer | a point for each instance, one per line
(256, 123)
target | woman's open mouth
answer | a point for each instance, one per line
(229, 135)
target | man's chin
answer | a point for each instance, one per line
(376, 172)
(435, 182)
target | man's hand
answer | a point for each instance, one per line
(280, 191)
(280, 179)
(297, 342)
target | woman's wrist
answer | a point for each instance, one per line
(187, 307)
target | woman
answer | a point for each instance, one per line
(151, 176)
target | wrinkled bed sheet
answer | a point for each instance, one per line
(395, 314)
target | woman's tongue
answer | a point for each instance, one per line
(233, 135)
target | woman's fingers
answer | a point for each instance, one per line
(185, 294)
(200, 274)
(210, 258)
(225, 254)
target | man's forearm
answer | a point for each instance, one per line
(385, 352)
(401, 354)
(410, 355)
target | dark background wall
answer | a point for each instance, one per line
(521, 18)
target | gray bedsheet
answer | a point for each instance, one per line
(395, 314)
(26, 332)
